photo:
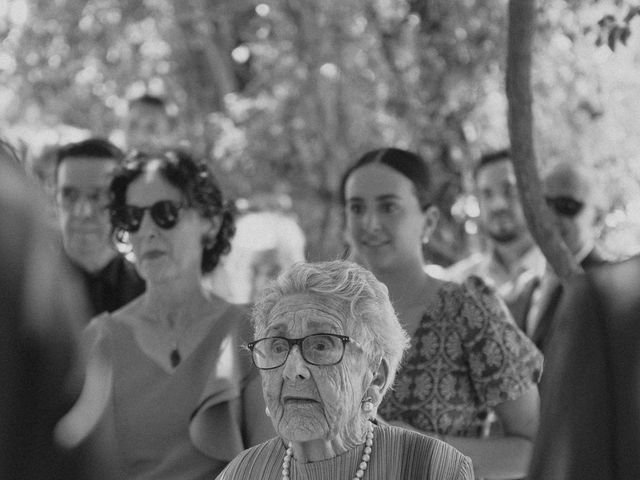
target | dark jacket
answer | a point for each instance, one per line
(590, 421)
(112, 287)
(548, 313)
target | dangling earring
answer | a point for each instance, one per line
(267, 411)
(367, 405)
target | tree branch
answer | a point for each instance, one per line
(520, 118)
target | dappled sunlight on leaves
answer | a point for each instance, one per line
(288, 93)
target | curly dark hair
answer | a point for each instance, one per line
(199, 188)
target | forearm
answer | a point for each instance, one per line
(495, 458)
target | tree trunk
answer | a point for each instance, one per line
(520, 118)
(208, 60)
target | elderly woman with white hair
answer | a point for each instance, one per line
(328, 344)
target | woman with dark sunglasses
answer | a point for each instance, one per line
(176, 390)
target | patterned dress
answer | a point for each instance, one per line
(466, 357)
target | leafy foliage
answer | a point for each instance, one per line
(282, 95)
(612, 31)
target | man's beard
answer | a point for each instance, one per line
(503, 228)
(503, 236)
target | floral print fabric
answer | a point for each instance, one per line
(466, 357)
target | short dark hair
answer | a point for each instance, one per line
(199, 187)
(490, 158)
(150, 101)
(408, 164)
(94, 148)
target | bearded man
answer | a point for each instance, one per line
(512, 263)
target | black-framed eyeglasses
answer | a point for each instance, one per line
(164, 213)
(565, 206)
(320, 349)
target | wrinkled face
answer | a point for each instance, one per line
(385, 225)
(579, 230)
(309, 402)
(163, 254)
(147, 129)
(501, 215)
(82, 198)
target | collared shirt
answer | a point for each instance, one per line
(508, 283)
(514, 285)
(112, 287)
(584, 252)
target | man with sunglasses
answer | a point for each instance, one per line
(577, 207)
(82, 176)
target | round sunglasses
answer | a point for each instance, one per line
(164, 213)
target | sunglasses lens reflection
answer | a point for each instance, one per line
(165, 214)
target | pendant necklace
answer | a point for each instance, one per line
(174, 357)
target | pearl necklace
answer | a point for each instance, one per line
(366, 456)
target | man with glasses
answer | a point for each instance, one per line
(82, 176)
(577, 207)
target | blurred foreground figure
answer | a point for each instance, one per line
(41, 310)
(590, 426)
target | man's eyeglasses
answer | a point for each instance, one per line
(69, 197)
(321, 349)
(129, 217)
(565, 206)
